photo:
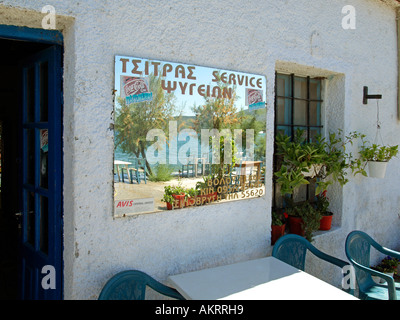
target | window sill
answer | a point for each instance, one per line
(321, 233)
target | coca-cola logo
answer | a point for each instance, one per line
(134, 86)
(254, 96)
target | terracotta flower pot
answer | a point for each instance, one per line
(326, 222)
(296, 226)
(191, 201)
(206, 198)
(169, 206)
(277, 232)
(179, 200)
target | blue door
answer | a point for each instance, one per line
(41, 178)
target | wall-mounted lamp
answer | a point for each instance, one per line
(370, 96)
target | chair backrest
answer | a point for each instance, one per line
(358, 249)
(131, 285)
(292, 249)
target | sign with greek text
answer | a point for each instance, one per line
(186, 135)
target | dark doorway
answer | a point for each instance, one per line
(13, 210)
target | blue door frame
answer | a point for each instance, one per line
(41, 246)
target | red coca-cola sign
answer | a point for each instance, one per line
(135, 86)
(254, 96)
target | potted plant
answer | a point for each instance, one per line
(174, 196)
(190, 197)
(168, 198)
(321, 159)
(278, 226)
(322, 205)
(388, 266)
(377, 157)
(304, 219)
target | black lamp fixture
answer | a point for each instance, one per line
(370, 96)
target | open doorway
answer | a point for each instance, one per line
(25, 211)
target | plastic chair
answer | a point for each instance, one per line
(139, 170)
(131, 285)
(358, 248)
(190, 166)
(292, 249)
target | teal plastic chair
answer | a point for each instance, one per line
(131, 285)
(292, 249)
(139, 170)
(358, 248)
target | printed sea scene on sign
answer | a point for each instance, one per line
(186, 135)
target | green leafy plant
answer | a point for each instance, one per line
(278, 219)
(310, 216)
(170, 191)
(378, 153)
(322, 204)
(327, 158)
(220, 169)
(162, 172)
(167, 197)
(387, 265)
(207, 180)
(191, 192)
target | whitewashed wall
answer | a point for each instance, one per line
(249, 36)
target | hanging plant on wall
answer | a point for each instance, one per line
(377, 157)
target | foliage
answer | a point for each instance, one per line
(260, 147)
(378, 153)
(205, 183)
(133, 121)
(310, 216)
(162, 172)
(322, 204)
(169, 191)
(220, 112)
(278, 219)
(388, 264)
(217, 112)
(327, 157)
(191, 192)
(220, 169)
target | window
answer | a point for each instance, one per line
(297, 106)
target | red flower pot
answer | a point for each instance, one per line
(206, 198)
(190, 201)
(169, 206)
(179, 200)
(296, 226)
(277, 232)
(213, 196)
(326, 223)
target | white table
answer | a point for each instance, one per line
(261, 279)
(117, 163)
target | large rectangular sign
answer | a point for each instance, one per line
(186, 130)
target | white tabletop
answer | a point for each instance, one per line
(121, 162)
(261, 279)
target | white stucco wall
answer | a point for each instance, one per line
(249, 36)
